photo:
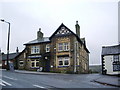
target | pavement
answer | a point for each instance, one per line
(108, 80)
(103, 79)
(34, 72)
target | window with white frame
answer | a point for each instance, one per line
(60, 46)
(8, 62)
(35, 63)
(35, 49)
(63, 61)
(5, 62)
(66, 46)
(66, 60)
(116, 63)
(60, 61)
(116, 58)
(116, 67)
(63, 46)
(48, 48)
(21, 62)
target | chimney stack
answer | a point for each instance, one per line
(17, 50)
(39, 34)
(77, 29)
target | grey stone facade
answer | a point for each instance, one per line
(63, 52)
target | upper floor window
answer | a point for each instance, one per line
(60, 47)
(63, 46)
(66, 47)
(48, 48)
(116, 65)
(35, 49)
(116, 58)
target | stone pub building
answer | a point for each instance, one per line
(64, 51)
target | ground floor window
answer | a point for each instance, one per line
(63, 61)
(21, 62)
(8, 62)
(116, 67)
(85, 66)
(35, 63)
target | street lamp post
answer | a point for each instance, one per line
(7, 43)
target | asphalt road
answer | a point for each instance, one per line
(18, 80)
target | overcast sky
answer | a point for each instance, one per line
(98, 22)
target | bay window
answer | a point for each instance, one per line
(63, 61)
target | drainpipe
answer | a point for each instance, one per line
(75, 56)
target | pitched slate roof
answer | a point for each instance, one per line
(48, 39)
(108, 50)
(11, 56)
(37, 41)
(20, 53)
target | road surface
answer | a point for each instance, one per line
(10, 79)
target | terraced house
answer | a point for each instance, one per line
(64, 51)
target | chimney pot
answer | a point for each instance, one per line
(76, 22)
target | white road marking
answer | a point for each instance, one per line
(5, 82)
(9, 78)
(38, 86)
(2, 84)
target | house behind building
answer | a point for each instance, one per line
(111, 60)
(11, 60)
